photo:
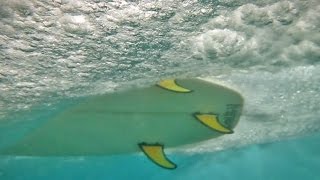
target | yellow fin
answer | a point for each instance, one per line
(156, 154)
(212, 121)
(170, 84)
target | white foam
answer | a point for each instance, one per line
(220, 43)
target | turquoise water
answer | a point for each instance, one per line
(290, 159)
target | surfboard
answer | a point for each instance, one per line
(171, 113)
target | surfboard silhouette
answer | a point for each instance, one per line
(168, 114)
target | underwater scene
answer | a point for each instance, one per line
(232, 87)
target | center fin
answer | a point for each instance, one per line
(156, 154)
(212, 121)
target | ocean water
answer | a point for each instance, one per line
(56, 52)
(293, 159)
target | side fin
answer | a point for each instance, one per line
(156, 154)
(212, 121)
(170, 84)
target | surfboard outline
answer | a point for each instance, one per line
(155, 151)
(175, 85)
(166, 163)
(220, 125)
